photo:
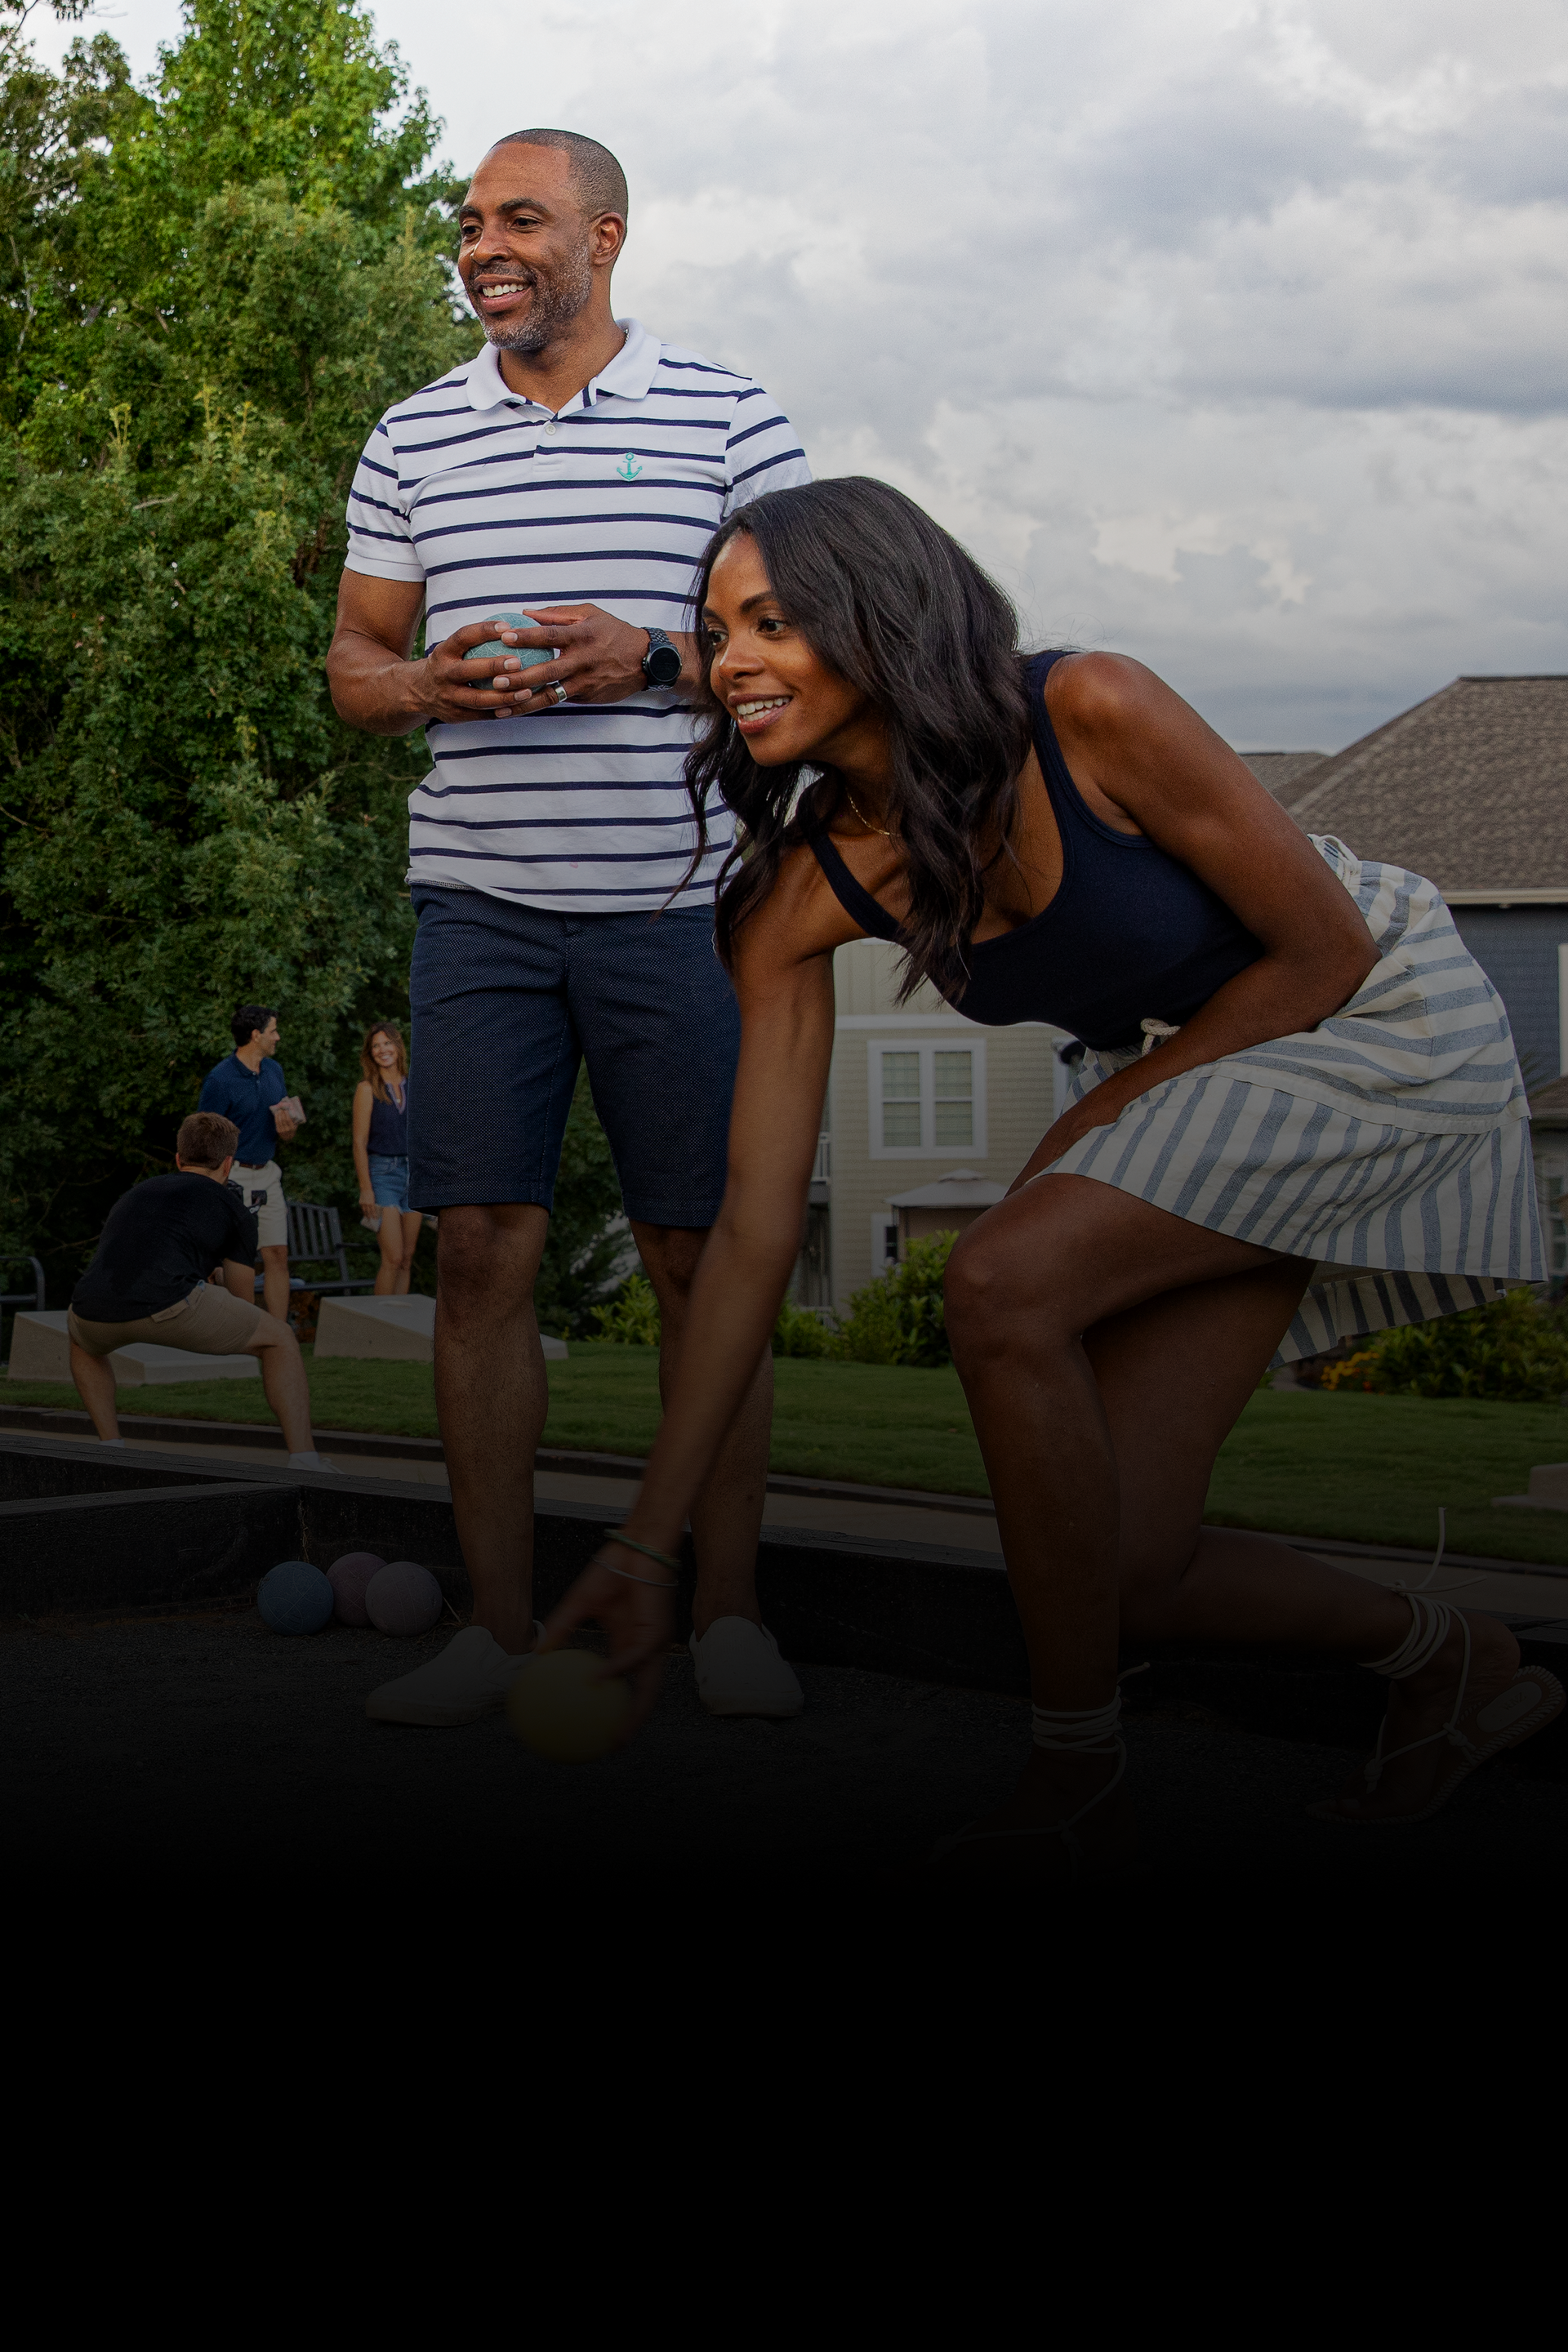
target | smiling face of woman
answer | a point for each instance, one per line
(784, 698)
(384, 1050)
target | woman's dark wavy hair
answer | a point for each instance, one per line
(898, 607)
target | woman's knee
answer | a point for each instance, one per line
(980, 1285)
(997, 1302)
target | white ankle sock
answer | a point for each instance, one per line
(111, 1441)
(311, 1461)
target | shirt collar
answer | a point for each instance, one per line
(628, 376)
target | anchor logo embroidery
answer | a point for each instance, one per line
(629, 467)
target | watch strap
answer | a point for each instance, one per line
(658, 642)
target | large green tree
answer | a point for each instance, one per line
(210, 290)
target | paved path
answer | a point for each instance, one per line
(203, 1747)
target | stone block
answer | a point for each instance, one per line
(40, 1351)
(1548, 1490)
(390, 1330)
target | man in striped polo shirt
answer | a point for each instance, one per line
(569, 475)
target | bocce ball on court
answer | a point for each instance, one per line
(350, 1579)
(295, 1598)
(563, 1706)
(404, 1598)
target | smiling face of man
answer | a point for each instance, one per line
(529, 250)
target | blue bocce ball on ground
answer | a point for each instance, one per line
(295, 1598)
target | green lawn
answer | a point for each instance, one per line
(1367, 1469)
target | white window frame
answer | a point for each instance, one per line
(883, 1222)
(927, 1048)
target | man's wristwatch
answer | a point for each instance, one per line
(661, 663)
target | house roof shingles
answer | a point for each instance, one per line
(1471, 788)
(1279, 771)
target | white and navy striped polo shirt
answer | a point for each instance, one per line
(497, 505)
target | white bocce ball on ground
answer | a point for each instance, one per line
(404, 1598)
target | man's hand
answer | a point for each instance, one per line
(288, 1128)
(598, 658)
(376, 685)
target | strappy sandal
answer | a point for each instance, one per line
(1529, 1702)
(1094, 1732)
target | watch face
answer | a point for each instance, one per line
(662, 666)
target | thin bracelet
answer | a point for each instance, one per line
(657, 1582)
(648, 1552)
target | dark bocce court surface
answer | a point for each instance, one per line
(154, 1726)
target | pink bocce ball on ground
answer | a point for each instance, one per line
(350, 1579)
(404, 1599)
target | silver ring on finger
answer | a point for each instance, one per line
(558, 693)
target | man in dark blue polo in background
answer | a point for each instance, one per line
(247, 1088)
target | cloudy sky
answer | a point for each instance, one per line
(1231, 333)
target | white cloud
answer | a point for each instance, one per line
(1229, 331)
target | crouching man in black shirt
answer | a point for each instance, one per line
(148, 1281)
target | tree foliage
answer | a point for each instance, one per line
(588, 1242)
(209, 291)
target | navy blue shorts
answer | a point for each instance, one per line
(508, 999)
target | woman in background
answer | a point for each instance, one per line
(381, 1153)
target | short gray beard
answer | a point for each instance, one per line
(557, 300)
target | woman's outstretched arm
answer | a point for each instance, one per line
(783, 979)
(1125, 733)
(364, 1102)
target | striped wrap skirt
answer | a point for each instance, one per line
(1390, 1145)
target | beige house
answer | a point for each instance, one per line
(1472, 789)
(918, 1095)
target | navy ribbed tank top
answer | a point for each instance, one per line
(388, 1137)
(1131, 935)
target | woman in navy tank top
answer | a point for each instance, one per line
(381, 1154)
(1298, 1115)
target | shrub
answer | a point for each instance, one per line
(588, 1239)
(1514, 1350)
(898, 1317)
(798, 1332)
(631, 1318)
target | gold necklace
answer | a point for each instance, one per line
(864, 820)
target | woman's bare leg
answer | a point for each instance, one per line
(388, 1282)
(1067, 1258)
(94, 1377)
(411, 1224)
(1182, 1580)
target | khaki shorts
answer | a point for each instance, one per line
(262, 1189)
(210, 1322)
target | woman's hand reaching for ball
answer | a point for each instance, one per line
(635, 1606)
